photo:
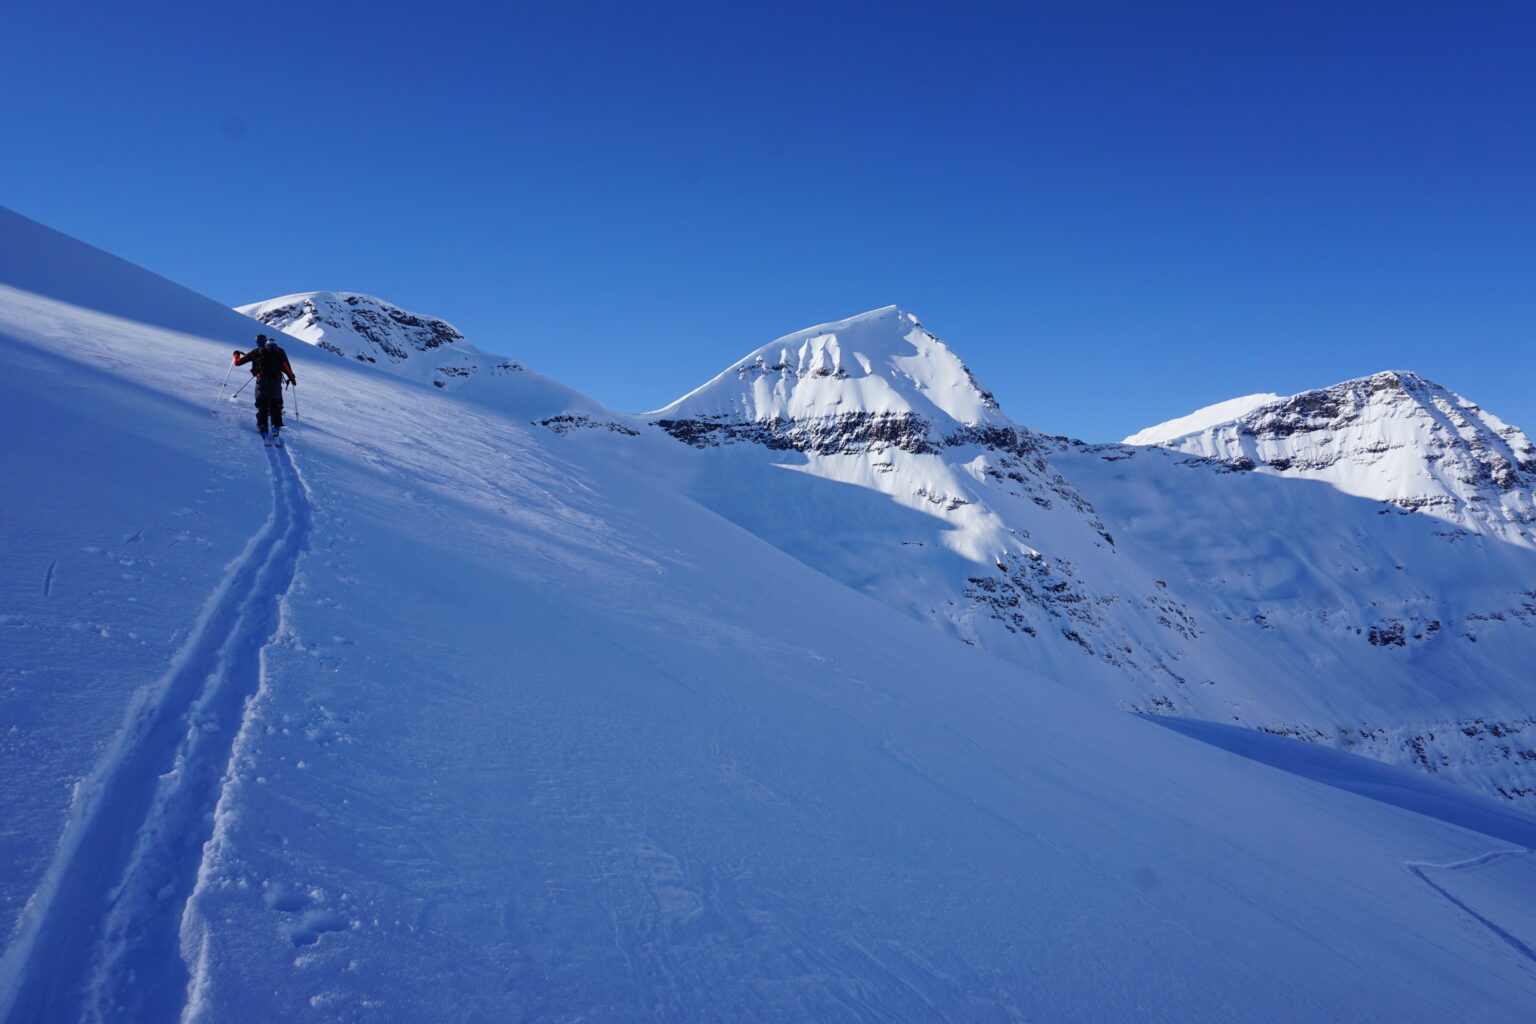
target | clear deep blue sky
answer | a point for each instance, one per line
(1115, 212)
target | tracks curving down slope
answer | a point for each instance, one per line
(100, 939)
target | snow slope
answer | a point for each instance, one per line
(438, 714)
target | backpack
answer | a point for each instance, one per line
(266, 361)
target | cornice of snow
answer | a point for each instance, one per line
(870, 382)
(1208, 416)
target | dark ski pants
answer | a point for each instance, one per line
(269, 402)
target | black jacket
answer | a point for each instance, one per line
(267, 361)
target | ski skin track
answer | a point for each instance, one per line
(100, 938)
(193, 929)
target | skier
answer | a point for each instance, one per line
(268, 365)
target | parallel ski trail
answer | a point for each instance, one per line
(100, 939)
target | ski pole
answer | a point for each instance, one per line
(225, 383)
(242, 388)
(293, 386)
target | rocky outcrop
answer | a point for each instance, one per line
(390, 332)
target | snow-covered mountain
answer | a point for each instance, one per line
(878, 379)
(868, 450)
(373, 331)
(1393, 437)
(431, 351)
(1167, 584)
(439, 715)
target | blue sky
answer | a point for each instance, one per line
(1115, 212)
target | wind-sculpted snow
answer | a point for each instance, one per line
(1221, 412)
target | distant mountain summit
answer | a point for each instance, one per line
(873, 381)
(1393, 437)
(373, 331)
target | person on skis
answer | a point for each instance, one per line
(269, 364)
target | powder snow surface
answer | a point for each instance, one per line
(437, 714)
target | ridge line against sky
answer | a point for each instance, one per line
(1115, 214)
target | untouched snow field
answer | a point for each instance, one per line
(437, 714)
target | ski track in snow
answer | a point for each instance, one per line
(1417, 868)
(101, 939)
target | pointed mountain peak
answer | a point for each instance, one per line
(882, 364)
